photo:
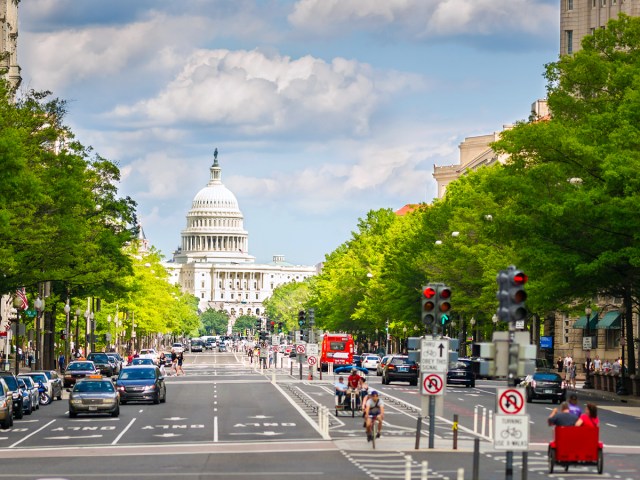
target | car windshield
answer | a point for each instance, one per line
(459, 365)
(98, 357)
(28, 381)
(48, 374)
(93, 386)
(142, 361)
(112, 358)
(147, 352)
(138, 374)
(39, 377)
(81, 366)
(400, 361)
(11, 382)
(547, 377)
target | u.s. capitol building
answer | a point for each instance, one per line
(213, 261)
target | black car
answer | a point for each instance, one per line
(141, 383)
(545, 386)
(400, 368)
(357, 360)
(12, 382)
(102, 363)
(461, 373)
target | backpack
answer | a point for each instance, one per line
(375, 410)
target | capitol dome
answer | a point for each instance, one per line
(215, 231)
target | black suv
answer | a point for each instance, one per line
(12, 382)
(400, 368)
(102, 363)
(545, 386)
(461, 373)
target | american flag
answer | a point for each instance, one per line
(23, 296)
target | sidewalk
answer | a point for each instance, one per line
(600, 395)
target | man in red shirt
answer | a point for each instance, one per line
(353, 379)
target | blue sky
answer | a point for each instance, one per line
(321, 109)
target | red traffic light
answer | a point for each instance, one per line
(445, 293)
(272, 323)
(519, 278)
(429, 292)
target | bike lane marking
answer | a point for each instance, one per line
(117, 439)
(31, 434)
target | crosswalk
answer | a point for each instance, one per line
(389, 465)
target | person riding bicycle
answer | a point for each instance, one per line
(353, 379)
(373, 412)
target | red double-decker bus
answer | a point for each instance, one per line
(337, 348)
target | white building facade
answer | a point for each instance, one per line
(9, 41)
(213, 261)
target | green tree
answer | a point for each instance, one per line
(214, 322)
(285, 303)
(244, 322)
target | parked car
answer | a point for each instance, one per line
(400, 368)
(545, 386)
(6, 406)
(141, 383)
(222, 347)
(102, 362)
(33, 389)
(56, 384)
(78, 370)
(40, 377)
(28, 405)
(94, 395)
(117, 364)
(14, 390)
(210, 344)
(461, 373)
(381, 364)
(370, 361)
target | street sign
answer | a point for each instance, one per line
(432, 384)
(587, 343)
(519, 324)
(511, 432)
(30, 313)
(510, 401)
(301, 348)
(434, 355)
(312, 360)
(312, 349)
(276, 348)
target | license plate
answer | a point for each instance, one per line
(93, 409)
(548, 391)
(402, 369)
(461, 374)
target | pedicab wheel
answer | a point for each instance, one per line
(552, 459)
(600, 462)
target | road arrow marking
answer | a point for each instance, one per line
(261, 416)
(69, 437)
(168, 435)
(174, 418)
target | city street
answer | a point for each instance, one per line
(224, 418)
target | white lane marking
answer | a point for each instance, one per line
(611, 425)
(69, 437)
(215, 428)
(117, 439)
(31, 434)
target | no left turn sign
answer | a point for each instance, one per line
(312, 361)
(432, 384)
(510, 401)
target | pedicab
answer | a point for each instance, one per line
(576, 446)
(351, 400)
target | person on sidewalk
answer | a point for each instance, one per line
(61, 363)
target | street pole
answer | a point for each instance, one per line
(67, 332)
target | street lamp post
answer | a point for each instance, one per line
(67, 332)
(587, 379)
(472, 322)
(92, 325)
(76, 338)
(404, 332)
(87, 344)
(39, 306)
(109, 333)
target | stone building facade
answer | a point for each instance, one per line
(9, 41)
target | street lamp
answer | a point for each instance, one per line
(67, 332)
(587, 379)
(472, 322)
(39, 306)
(92, 328)
(404, 332)
(76, 339)
(109, 333)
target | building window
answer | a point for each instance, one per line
(604, 3)
(569, 4)
(612, 339)
(201, 284)
(232, 296)
(202, 295)
(569, 36)
(256, 296)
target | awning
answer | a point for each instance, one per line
(582, 322)
(611, 320)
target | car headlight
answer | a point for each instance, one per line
(75, 401)
(150, 388)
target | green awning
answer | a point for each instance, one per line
(582, 322)
(611, 320)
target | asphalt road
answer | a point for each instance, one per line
(226, 419)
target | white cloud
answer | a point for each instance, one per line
(258, 92)
(425, 18)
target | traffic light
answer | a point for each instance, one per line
(511, 295)
(428, 306)
(258, 324)
(443, 305)
(280, 326)
(312, 317)
(263, 335)
(517, 294)
(272, 326)
(301, 318)
(305, 335)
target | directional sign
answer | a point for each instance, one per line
(301, 348)
(434, 355)
(510, 401)
(511, 432)
(432, 384)
(312, 360)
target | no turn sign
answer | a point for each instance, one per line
(301, 348)
(510, 401)
(432, 384)
(312, 361)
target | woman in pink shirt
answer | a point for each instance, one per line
(590, 417)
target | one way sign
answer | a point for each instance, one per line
(434, 355)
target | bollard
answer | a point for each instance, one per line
(525, 464)
(461, 474)
(273, 376)
(424, 474)
(407, 467)
(491, 424)
(484, 421)
(418, 432)
(454, 427)
(476, 459)
(475, 419)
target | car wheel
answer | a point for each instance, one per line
(72, 414)
(116, 412)
(123, 402)
(473, 385)
(554, 401)
(164, 397)
(6, 423)
(413, 383)
(19, 413)
(156, 399)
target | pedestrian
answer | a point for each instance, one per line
(566, 363)
(572, 375)
(174, 362)
(180, 358)
(61, 362)
(250, 354)
(589, 418)
(597, 364)
(559, 364)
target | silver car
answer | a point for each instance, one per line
(94, 395)
(33, 390)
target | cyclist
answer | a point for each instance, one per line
(374, 412)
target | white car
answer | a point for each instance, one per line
(149, 353)
(177, 347)
(370, 362)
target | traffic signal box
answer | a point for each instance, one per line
(443, 305)
(429, 306)
(301, 318)
(511, 295)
